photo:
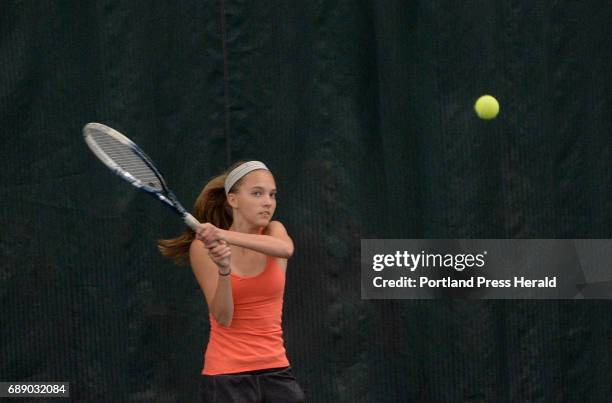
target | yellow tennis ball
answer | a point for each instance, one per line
(486, 107)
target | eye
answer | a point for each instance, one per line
(257, 193)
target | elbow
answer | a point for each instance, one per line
(288, 251)
(224, 320)
(224, 317)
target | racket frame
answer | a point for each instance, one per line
(164, 194)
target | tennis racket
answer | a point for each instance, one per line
(129, 162)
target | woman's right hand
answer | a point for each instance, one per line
(221, 254)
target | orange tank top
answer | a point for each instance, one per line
(254, 340)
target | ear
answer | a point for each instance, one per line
(232, 200)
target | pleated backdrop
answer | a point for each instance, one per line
(363, 111)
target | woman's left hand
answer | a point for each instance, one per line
(209, 234)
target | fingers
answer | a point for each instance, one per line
(219, 248)
(202, 230)
(213, 244)
(208, 234)
(220, 252)
(225, 255)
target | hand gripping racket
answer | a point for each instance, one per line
(128, 161)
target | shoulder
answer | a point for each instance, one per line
(196, 246)
(201, 262)
(275, 227)
(277, 230)
(198, 252)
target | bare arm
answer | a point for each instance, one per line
(217, 289)
(273, 242)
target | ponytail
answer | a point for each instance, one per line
(211, 206)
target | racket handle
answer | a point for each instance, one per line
(191, 221)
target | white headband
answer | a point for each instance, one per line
(240, 171)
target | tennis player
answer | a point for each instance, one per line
(239, 258)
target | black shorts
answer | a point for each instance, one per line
(275, 385)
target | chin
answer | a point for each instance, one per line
(261, 221)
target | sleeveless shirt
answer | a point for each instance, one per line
(254, 340)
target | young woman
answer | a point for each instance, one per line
(239, 258)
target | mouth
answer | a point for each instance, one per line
(265, 214)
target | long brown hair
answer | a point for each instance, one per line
(210, 206)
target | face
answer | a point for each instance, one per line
(255, 199)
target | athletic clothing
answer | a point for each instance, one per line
(275, 385)
(254, 340)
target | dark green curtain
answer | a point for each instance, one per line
(363, 110)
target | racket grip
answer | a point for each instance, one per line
(191, 221)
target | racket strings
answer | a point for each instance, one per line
(126, 158)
